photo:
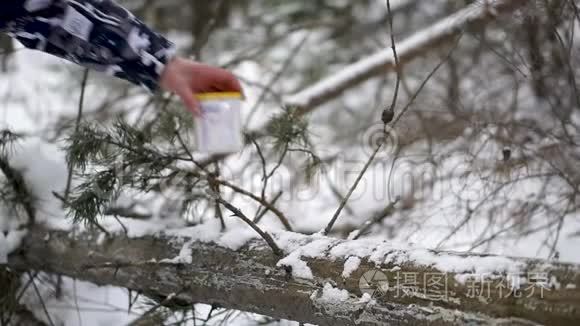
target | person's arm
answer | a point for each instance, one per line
(101, 35)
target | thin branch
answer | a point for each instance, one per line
(352, 189)
(23, 289)
(431, 74)
(263, 212)
(376, 219)
(202, 38)
(125, 230)
(209, 177)
(76, 299)
(16, 181)
(264, 172)
(41, 299)
(212, 179)
(395, 56)
(389, 111)
(164, 302)
(244, 192)
(237, 212)
(77, 124)
(291, 56)
(262, 201)
(218, 209)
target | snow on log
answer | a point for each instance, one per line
(416, 45)
(320, 280)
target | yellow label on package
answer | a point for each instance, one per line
(219, 129)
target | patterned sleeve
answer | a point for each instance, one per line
(98, 34)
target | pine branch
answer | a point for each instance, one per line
(18, 185)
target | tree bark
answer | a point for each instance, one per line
(248, 279)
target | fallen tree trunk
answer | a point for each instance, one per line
(399, 283)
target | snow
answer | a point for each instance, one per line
(366, 298)
(236, 235)
(44, 170)
(135, 228)
(456, 263)
(299, 268)
(313, 249)
(299, 248)
(184, 257)
(302, 247)
(332, 295)
(234, 238)
(82, 304)
(10, 242)
(350, 265)
(33, 158)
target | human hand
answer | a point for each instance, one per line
(186, 78)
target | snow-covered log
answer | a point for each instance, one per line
(320, 280)
(418, 44)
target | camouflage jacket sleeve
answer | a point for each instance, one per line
(98, 34)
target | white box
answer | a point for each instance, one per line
(219, 129)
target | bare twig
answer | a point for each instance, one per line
(352, 189)
(376, 219)
(265, 175)
(265, 210)
(218, 209)
(267, 237)
(426, 80)
(395, 56)
(237, 189)
(209, 177)
(390, 111)
(291, 56)
(268, 205)
(214, 180)
(150, 311)
(40, 299)
(77, 124)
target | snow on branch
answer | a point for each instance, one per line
(416, 45)
(320, 280)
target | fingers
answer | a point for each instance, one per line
(227, 82)
(232, 84)
(190, 101)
